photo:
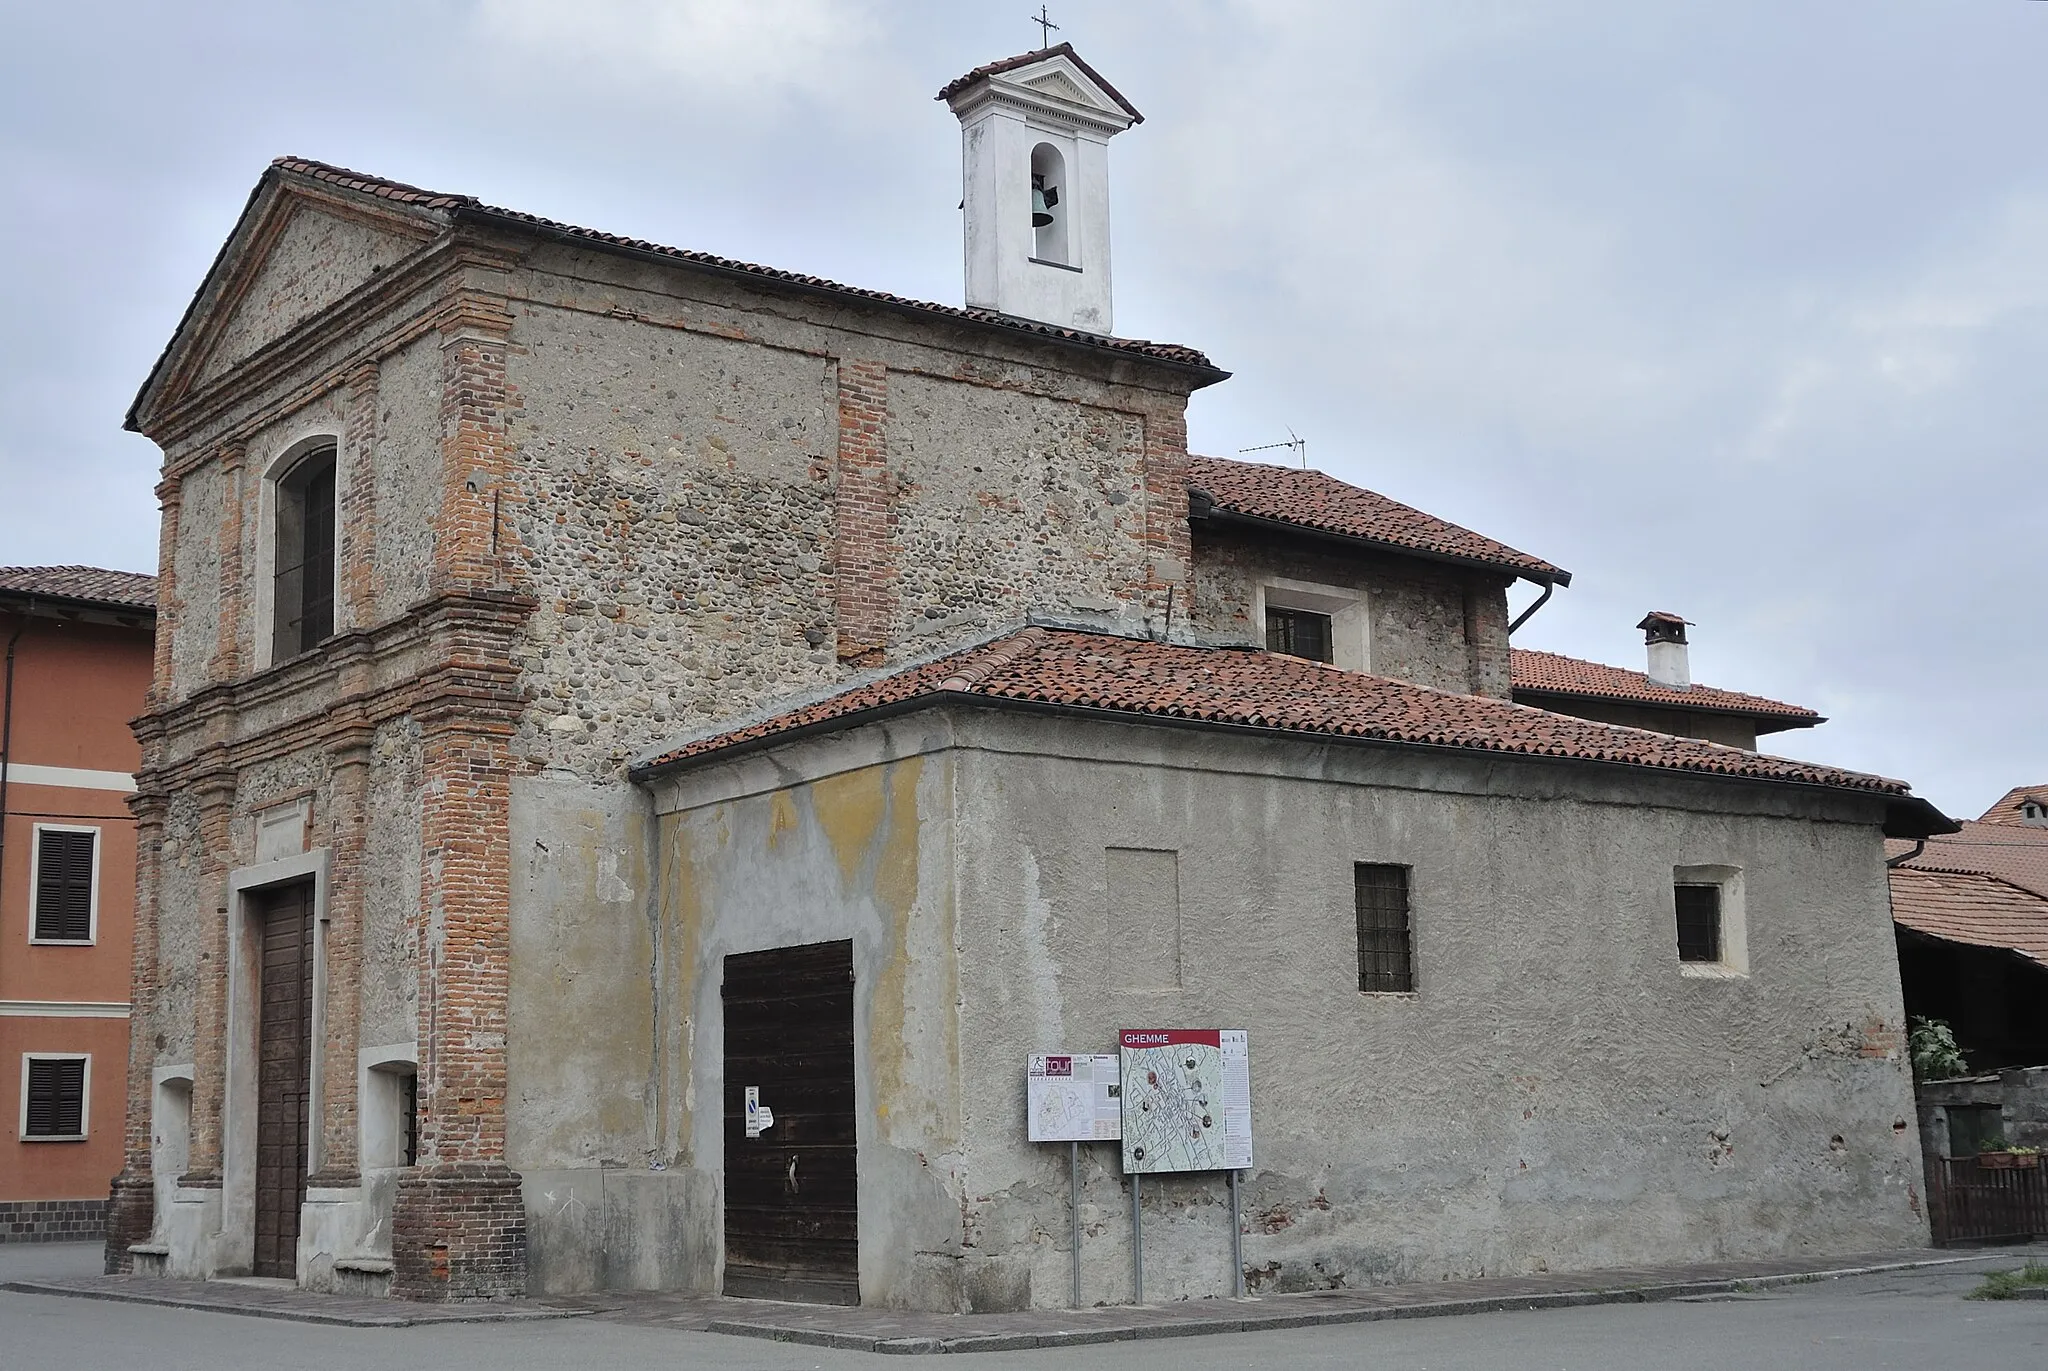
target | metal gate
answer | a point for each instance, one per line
(283, 1073)
(1971, 1202)
(791, 1194)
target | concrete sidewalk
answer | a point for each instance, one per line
(895, 1331)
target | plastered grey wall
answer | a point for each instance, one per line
(1417, 610)
(177, 865)
(406, 458)
(1556, 1094)
(862, 853)
(391, 888)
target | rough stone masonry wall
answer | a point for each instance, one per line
(1555, 1094)
(1433, 624)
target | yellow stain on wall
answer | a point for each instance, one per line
(782, 817)
(850, 808)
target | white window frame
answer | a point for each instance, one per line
(35, 871)
(379, 1123)
(84, 1132)
(1346, 606)
(1734, 931)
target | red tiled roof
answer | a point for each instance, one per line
(131, 590)
(2011, 852)
(1312, 500)
(1025, 59)
(1549, 673)
(401, 193)
(1982, 911)
(2007, 810)
(1260, 690)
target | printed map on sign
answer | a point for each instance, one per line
(1073, 1098)
(1187, 1100)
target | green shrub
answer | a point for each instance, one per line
(1935, 1054)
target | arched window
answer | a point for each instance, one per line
(302, 576)
(1048, 204)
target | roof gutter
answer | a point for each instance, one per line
(1526, 615)
(1204, 374)
(1209, 511)
(1906, 816)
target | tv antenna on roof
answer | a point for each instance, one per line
(1046, 28)
(1295, 443)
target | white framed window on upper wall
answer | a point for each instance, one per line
(1712, 922)
(297, 578)
(56, 1093)
(1320, 622)
(64, 885)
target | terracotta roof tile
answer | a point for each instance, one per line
(133, 590)
(468, 204)
(1025, 59)
(2007, 810)
(1982, 911)
(1312, 500)
(1549, 673)
(1261, 690)
(2011, 852)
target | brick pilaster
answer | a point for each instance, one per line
(357, 517)
(170, 498)
(1166, 505)
(227, 654)
(210, 996)
(349, 753)
(131, 1200)
(472, 531)
(458, 1224)
(864, 551)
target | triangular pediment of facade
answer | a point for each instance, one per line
(298, 251)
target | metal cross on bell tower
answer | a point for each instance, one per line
(1046, 27)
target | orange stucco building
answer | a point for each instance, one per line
(78, 655)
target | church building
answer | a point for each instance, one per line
(603, 687)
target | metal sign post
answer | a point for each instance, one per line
(1137, 1238)
(1236, 1241)
(1074, 1198)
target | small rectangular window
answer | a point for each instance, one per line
(66, 867)
(53, 1106)
(1386, 959)
(1699, 922)
(409, 1119)
(1299, 633)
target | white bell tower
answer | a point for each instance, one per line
(1035, 134)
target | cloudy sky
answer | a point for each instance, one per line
(1736, 308)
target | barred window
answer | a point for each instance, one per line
(1299, 633)
(1699, 922)
(1386, 959)
(53, 1104)
(66, 866)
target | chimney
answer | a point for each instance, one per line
(1665, 634)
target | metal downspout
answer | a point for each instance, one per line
(7, 732)
(1549, 588)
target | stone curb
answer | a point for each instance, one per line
(296, 1313)
(1257, 1323)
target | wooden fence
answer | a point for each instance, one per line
(1971, 1202)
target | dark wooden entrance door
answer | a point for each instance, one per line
(283, 1074)
(791, 1197)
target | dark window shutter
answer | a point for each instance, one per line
(56, 1098)
(1386, 959)
(64, 885)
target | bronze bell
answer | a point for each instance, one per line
(1042, 201)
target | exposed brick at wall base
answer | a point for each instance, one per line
(126, 1217)
(54, 1221)
(458, 1232)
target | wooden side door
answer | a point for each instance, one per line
(283, 1076)
(791, 1194)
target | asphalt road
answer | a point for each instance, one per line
(1917, 1320)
